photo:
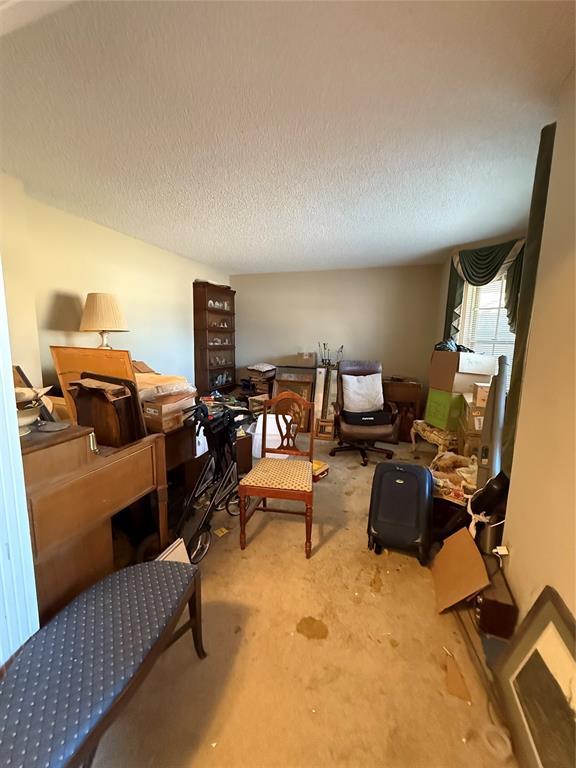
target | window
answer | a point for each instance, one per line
(484, 323)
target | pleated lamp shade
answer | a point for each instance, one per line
(102, 314)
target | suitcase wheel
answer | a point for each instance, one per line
(370, 542)
(377, 548)
(422, 556)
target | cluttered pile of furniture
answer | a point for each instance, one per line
(454, 417)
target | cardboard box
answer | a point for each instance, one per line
(458, 570)
(459, 371)
(163, 405)
(469, 443)
(443, 409)
(256, 403)
(480, 394)
(319, 470)
(164, 423)
(472, 418)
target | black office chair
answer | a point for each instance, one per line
(362, 435)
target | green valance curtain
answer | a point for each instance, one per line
(480, 266)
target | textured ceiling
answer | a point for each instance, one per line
(277, 136)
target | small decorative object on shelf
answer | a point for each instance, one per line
(325, 354)
(214, 325)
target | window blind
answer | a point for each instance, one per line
(485, 325)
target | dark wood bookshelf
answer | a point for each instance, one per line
(215, 364)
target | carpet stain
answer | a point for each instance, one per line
(312, 628)
(349, 492)
(327, 675)
(393, 642)
(376, 581)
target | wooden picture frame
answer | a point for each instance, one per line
(536, 681)
(324, 429)
(301, 385)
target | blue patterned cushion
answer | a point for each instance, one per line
(71, 671)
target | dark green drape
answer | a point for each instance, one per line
(527, 283)
(453, 304)
(479, 266)
(513, 278)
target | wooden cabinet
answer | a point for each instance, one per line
(214, 337)
(72, 494)
(408, 397)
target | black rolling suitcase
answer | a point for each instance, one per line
(401, 508)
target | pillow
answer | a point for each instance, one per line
(262, 367)
(362, 394)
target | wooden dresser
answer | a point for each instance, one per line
(72, 493)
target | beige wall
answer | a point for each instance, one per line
(540, 527)
(52, 259)
(389, 314)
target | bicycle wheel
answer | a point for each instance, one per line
(233, 504)
(199, 545)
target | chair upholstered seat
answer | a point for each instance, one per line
(282, 478)
(67, 677)
(280, 474)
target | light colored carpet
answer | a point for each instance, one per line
(372, 692)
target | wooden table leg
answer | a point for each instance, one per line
(308, 547)
(413, 439)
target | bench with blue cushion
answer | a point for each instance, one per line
(67, 684)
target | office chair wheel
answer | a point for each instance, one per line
(199, 545)
(233, 504)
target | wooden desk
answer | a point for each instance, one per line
(72, 494)
(407, 395)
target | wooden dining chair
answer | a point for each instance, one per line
(275, 478)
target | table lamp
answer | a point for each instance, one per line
(102, 314)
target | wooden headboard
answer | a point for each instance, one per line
(71, 362)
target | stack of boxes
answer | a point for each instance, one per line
(165, 413)
(459, 384)
(261, 381)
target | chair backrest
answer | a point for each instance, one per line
(132, 426)
(289, 412)
(354, 368)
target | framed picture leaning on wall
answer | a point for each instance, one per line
(536, 678)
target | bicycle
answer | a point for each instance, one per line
(215, 488)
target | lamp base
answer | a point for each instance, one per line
(105, 343)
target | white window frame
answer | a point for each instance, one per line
(18, 601)
(469, 298)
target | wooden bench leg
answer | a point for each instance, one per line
(195, 610)
(308, 531)
(242, 505)
(87, 762)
